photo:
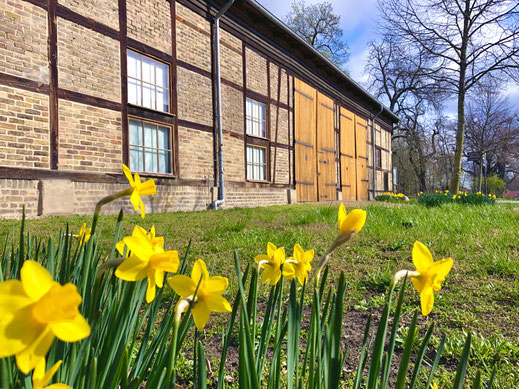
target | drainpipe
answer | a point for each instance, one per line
(221, 193)
(374, 151)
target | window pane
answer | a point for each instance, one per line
(135, 133)
(163, 162)
(249, 107)
(162, 100)
(148, 70)
(161, 74)
(261, 111)
(134, 65)
(249, 154)
(249, 172)
(134, 91)
(256, 172)
(148, 96)
(150, 135)
(151, 160)
(262, 172)
(136, 159)
(163, 138)
(261, 155)
(261, 130)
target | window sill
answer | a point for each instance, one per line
(259, 181)
(134, 106)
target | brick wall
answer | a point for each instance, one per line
(149, 21)
(24, 132)
(102, 11)
(23, 40)
(233, 158)
(14, 194)
(194, 95)
(231, 58)
(90, 138)
(88, 62)
(256, 72)
(196, 153)
(193, 38)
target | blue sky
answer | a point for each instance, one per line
(359, 22)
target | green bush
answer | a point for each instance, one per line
(440, 198)
(391, 197)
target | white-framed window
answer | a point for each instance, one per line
(255, 117)
(148, 82)
(256, 163)
(150, 147)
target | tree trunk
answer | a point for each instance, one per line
(460, 136)
(480, 173)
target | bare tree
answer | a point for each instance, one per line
(320, 27)
(469, 39)
(404, 79)
(493, 128)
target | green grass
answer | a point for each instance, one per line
(481, 294)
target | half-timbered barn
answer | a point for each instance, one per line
(218, 101)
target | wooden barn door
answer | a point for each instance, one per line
(305, 142)
(361, 128)
(348, 161)
(326, 177)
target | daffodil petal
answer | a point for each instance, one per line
(46, 376)
(147, 188)
(341, 215)
(120, 247)
(261, 257)
(166, 261)
(135, 200)
(182, 285)
(420, 283)
(422, 257)
(298, 252)
(142, 208)
(201, 314)
(71, 330)
(427, 301)
(309, 255)
(17, 331)
(12, 297)
(150, 290)
(58, 386)
(132, 269)
(216, 285)
(127, 172)
(217, 303)
(159, 278)
(279, 256)
(440, 269)
(30, 356)
(199, 271)
(302, 277)
(271, 249)
(289, 271)
(140, 246)
(36, 280)
(353, 221)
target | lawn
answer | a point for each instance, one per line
(481, 294)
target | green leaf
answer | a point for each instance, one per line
(462, 367)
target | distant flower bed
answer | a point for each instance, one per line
(439, 198)
(391, 197)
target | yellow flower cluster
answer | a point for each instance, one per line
(393, 195)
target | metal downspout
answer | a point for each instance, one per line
(373, 146)
(221, 192)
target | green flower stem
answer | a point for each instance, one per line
(339, 240)
(106, 200)
(108, 265)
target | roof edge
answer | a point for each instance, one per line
(340, 72)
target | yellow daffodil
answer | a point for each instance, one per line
(299, 266)
(271, 263)
(434, 386)
(494, 197)
(40, 378)
(428, 276)
(33, 312)
(353, 221)
(147, 259)
(139, 189)
(84, 234)
(208, 296)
